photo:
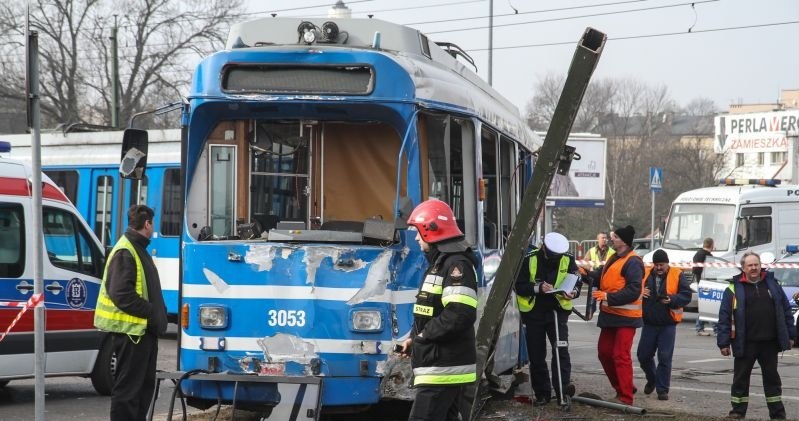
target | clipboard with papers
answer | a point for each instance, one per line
(567, 285)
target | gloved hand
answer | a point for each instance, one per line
(600, 295)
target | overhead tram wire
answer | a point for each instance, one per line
(618, 12)
(665, 34)
(559, 9)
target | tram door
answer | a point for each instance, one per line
(102, 211)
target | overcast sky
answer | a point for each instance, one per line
(727, 66)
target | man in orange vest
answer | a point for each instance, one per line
(665, 294)
(619, 295)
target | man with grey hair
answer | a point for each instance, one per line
(755, 325)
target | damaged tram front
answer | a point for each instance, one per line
(303, 160)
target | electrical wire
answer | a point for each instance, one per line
(559, 9)
(665, 34)
(618, 12)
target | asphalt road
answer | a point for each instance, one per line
(700, 383)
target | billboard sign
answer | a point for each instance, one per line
(755, 132)
(585, 182)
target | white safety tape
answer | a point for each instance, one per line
(688, 265)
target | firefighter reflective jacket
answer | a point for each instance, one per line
(613, 281)
(443, 348)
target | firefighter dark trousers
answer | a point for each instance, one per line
(540, 332)
(135, 377)
(765, 353)
(439, 403)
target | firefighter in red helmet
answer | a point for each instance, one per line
(442, 341)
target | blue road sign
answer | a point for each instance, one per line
(655, 179)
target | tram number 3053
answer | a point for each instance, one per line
(286, 317)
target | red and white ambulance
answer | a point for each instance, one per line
(72, 270)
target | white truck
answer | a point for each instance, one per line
(759, 215)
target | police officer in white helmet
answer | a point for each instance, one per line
(544, 293)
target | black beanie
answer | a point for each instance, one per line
(626, 234)
(660, 256)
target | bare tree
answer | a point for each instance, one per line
(644, 128)
(158, 40)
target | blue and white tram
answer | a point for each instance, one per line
(308, 143)
(86, 167)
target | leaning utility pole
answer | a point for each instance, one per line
(550, 156)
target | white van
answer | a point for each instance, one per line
(740, 215)
(73, 265)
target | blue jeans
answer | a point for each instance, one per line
(658, 339)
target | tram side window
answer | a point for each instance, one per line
(68, 245)
(491, 205)
(450, 167)
(506, 192)
(171, 203)
(279, 174)
(754, 228)
(12, 241)
(105, 205)
(67, 180)
(138, 191)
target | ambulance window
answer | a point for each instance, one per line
(12, 241)
(67, 180)
(68, 244)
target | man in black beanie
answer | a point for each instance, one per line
(619, 295)
(664, 296)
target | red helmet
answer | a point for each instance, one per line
(434, 221)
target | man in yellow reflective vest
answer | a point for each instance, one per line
(664, 296)
(544, 294)
(130, 306)
(441, 341)
(600, 253)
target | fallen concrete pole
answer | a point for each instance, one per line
(627, 409)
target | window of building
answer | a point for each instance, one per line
(777, 158)
(761, 158)
(739, 159)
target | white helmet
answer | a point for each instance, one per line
(556, 243)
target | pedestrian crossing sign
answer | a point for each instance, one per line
(655, 179)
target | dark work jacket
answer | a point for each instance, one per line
(448, 334)
(657, 313)
(783, 316)
(700, 257)
(121, 285)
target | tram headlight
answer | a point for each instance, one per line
(363, 320)
(213, 316)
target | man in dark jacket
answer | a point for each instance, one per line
(130, 306)
(664, 296)
(755, 321)
(545, 271)
(441, 341)
(700, 257)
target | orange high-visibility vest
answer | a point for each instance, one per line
(672, 285)
(612, 281)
